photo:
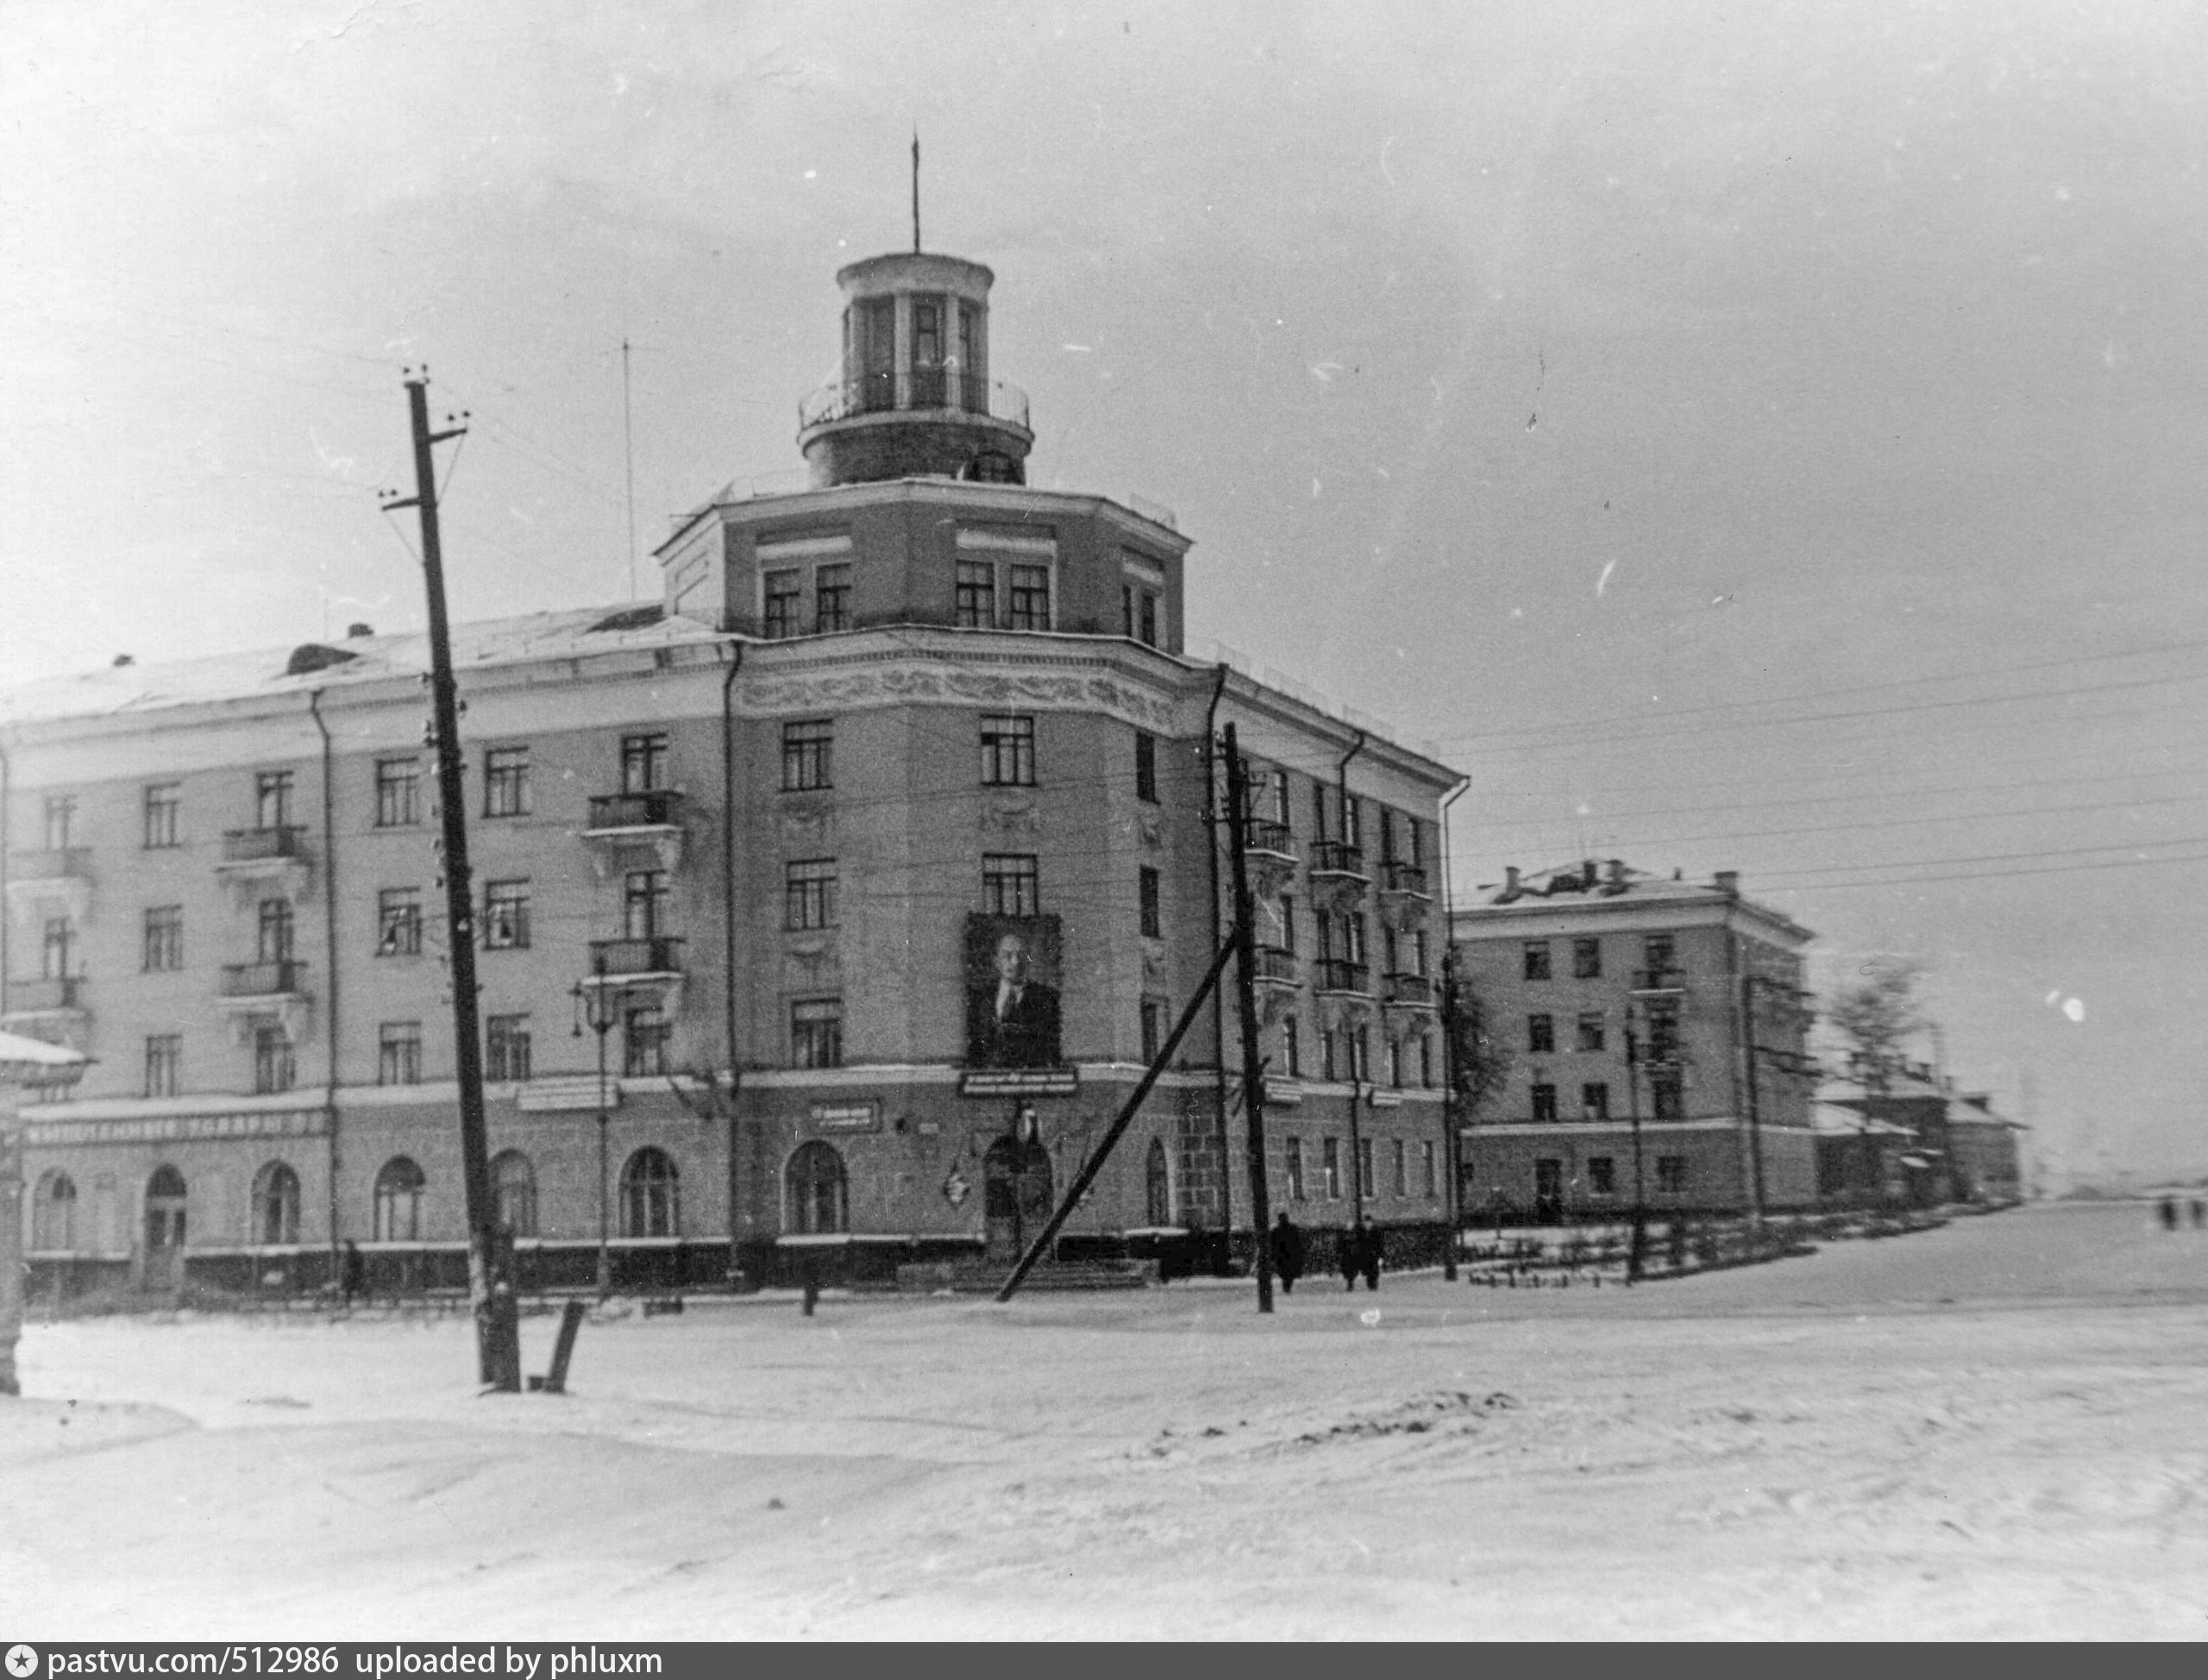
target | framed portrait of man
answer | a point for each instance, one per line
(1012, 1001)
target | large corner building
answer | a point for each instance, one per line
(831, 906)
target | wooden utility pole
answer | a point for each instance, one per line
(1637, 1255)
(490, 1279)
(1749, 982)
(1246, 974)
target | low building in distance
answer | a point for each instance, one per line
(1650, 1039)
(829, 905)
(1905, 1135)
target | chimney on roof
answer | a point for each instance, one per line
(354, 632)
(1615, 884)
(1588, 874)
(1729, 882)
(122, 660)
(1510, 889)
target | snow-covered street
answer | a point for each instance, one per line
(1987, 1430)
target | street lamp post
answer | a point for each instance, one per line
(600, 1007)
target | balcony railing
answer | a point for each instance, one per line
(253, 845)
(1414, 990)
(1659, 980)
(53, 863)
(1338, 857)
(1406, 878)
(30, 997)
(1272, 838)
(660, 808)
(1336, 973)
(659, 954)
(931, 389)
(285, 977)
(1278, 967)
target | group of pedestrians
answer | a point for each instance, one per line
(1358, 1254)
(2196, 1208)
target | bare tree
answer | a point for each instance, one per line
(1874, 1016)
(1480, 1061)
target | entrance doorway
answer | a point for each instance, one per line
(165, 1229)
(1015, 1196)
(1548, 1191)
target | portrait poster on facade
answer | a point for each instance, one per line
(1012, 991)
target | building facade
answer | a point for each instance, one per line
(828, 908)
(1648, 1040)
(1905, 1135)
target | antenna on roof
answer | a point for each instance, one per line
(916, 191)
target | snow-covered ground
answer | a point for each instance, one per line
(1994, 1429)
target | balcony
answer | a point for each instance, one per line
(55, 1008)
(1338, 975)
(1276, 967)
(651, 966)
(918, 390)
(1411, 992)
(59, 875)
(1658, 982)
(1407, 879)
(650, 820)
(253, 857)
(263, 993)
(1337, 875)
(1270, 848)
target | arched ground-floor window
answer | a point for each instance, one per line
(816, 1193)
(53, 1213)
(276, 1204)
(513, 1193)
(399, 1190)
(651, 1201)
(1158, 1182)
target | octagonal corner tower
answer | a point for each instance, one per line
(915, 400)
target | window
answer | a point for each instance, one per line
(1541, 1034)
(1537, 959)
(1280, 798)
(1543, 1102)
(643, 763)
(651, 1202)
(817, 1032)
(809, 894)
(1418, 953)
(1007, 750)
(832, 599)
(164, 805)
(1429, 1181)
(1395, 1059)
(1158, 1184)
(1146, 628)
(56, 948)
(814, 1186)
(275, 1204)
(1328, 1061)
(1669, 1100)
(808, 756)
(1010, 884)
(506, 915)
(398, 922)
(1145, 767)
(513, 1193)
(1586, 959)
(400, 1190)
(399, 793)
(1297, 1189)
(784, 593)
(1426, 1062)
(1603, 1175)
(1127, 610)
(276, 931)
(1147, 892)
(1595, 1100)
(1591, 1030)
(275, 1066)
(1287, 923)
(1353, 821)
(644, 1032)
(646, 899)
(1401, 1184)
(1153, 1028)
(1319, 811)
(1029, 598)
(53, 1213)
(976, 594)
(506, 781)
(505, 1043)
(398, 1053)
(1330, 1167)
(163, 952)
(1663, 1036)
(164, 1063)
(1291, 1048)
(1660, 953)
(927, 338)
(1671, 1173)
(273, 799)
(1387, 834)
(60, 819)
(1367, 1184)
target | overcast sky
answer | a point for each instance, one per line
(1764, 438)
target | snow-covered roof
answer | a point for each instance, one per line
(1833, 1118)
(132, 687)
(26, 1061)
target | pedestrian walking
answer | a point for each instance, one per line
(1350, 1254)
(2169, 1213)
(2199, 1211)
(352, 1273)
(1368, 1258)
(1288, 1253)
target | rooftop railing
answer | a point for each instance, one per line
(918, 390)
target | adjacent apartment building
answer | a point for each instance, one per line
(829, 906)
(1649, 1041)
